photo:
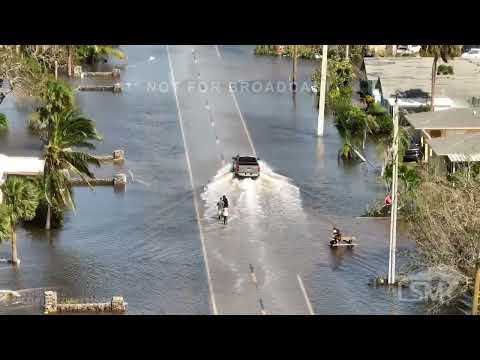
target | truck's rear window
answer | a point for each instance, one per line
(246, 160)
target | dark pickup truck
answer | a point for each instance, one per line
(246, 166)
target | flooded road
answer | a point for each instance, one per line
(148, 244)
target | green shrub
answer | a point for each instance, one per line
(265, 50)
(385, 124)
(3, 121)
(407, 174)
(444, 69)
(376, 109)
(378, 210)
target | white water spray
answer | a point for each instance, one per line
(271, 194)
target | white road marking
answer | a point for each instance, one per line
(238, 110)
(243, 120)
(218, 52)
(202, 239)
(309, 305)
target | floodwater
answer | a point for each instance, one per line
(146, 243)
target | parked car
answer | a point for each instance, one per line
(246, 166)
(473, 53)
(413, 153)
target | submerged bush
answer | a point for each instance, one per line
(265, 50)
(445, 69)
(3, 121)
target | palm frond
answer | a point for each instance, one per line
(5, 228)
(21, 198)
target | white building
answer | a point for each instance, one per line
(20, 166)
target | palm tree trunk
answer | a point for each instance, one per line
(14, 245)
(434, 78)
(49, 214)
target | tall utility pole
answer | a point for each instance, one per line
(294, 70)
(323, 88)
(393, 218)
(476, 291)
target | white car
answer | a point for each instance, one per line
(408, 49)
(473, 53)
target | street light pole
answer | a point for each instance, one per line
(294, 70)
(393, 216)
(323, 88)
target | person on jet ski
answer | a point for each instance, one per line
(337, 236)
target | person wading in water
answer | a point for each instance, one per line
(220, 208)
(225, 209)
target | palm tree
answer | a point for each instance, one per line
(67, 130)
(57, 97)
(21, 199)
(445, 52)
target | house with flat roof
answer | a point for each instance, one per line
(410, 79)
(19, 166)
(453, 134)
(457, 149)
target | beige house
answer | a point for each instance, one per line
(453, 134)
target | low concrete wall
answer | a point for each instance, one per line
(116, 88)
(78, 72)
(119, 182)
(92, 182)
(118, 156)
(116, 305)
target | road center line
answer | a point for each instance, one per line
(238, 110)
(202, 238)
(309, 305)
(218, 51)
(243, 120)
